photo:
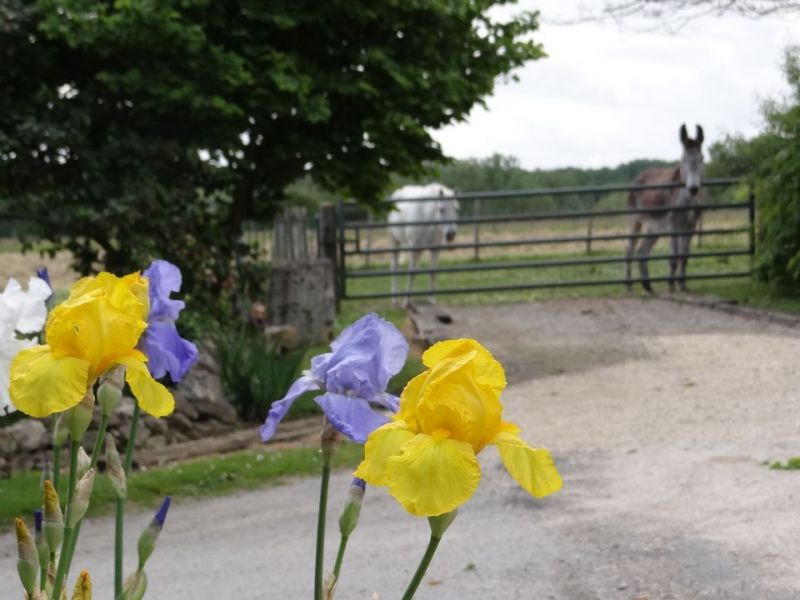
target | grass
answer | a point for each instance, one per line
(793, 464)
(213, 476)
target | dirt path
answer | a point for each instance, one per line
(659, 417)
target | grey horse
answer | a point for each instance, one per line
(678, 219)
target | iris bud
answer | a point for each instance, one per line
(28, 562)
(135, 587)
(83, 587)
(147, 541)
(60, 431)
(80, 499)
(352, 507)
(84, 462)
(114, 469)
(79, 418)
(109, 394)
(440, 523)
(53, 518)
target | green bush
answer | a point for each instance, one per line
(254, 372)
(777, 181)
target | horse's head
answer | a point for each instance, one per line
(447, 212)
(692, 160)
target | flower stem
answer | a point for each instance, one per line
(56, 466)
(132, 437)
(119, 512)
(119, 531)
(323, 503)
(63, 559)
(43, 576)
(423, 566)
(339, 557)
(98, 445)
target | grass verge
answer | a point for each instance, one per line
(213, 476)
(793, 464)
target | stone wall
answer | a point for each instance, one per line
(201, 410)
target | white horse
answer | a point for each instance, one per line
(444, 211)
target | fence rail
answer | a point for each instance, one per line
(350, 243)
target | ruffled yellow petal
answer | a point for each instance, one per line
(43, 383)
(153, 397)
(432, 475)
(532, 468)
(487, 370)
(99, 325)
(382, 443)
(409, 398)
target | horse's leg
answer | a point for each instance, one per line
(434, 265)
(683, 245)
(644, 256)
(636, 226)
(413, 261)
(674, 251)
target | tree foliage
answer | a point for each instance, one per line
(136, 128)
(777, 179)
(675, 13)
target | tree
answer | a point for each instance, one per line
(675, 13)
(124, 124)
(777, 180)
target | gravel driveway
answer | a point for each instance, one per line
(659, 417)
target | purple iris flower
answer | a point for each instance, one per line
(353, 379)
(166, 350)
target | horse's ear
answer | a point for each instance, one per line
(684, 135)
(699, 135)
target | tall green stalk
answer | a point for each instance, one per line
(340, 557)
(119, 512)
(422, 568)
(98, 446)
(63, 559)
(323, 503)
(56, 467)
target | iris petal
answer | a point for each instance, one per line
(353, 417)
(532, 468)
(381, 444)
(153, 397)
(431, 476)
(279, 408)
(43, 384)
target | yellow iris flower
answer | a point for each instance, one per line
(448, 414)
(94, 330)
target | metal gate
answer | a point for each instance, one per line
(589, 245)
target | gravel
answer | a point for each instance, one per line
(659, 417)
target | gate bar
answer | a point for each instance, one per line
(541, 264)
(536, 286)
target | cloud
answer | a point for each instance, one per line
(606, 95)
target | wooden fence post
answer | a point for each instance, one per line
(327, 245)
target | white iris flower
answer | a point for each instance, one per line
(22, 313)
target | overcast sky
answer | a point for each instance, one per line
(606, 95)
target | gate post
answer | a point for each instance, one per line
(751, 216)
(327, 245)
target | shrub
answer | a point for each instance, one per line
(778, 184)
(254, 372)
